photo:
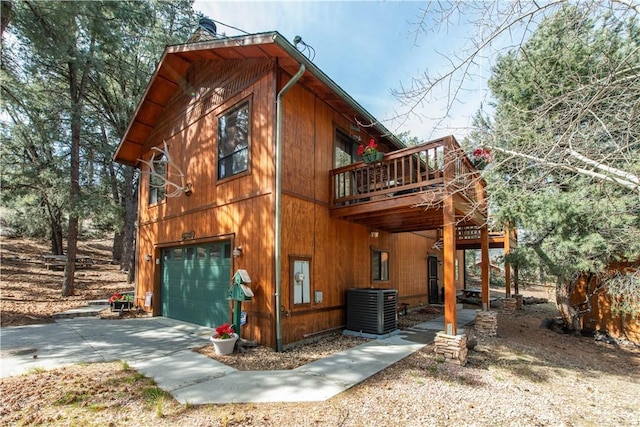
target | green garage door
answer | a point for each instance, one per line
(195, 280)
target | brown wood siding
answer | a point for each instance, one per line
(238, 208)
(409, 267)
(601, 317)
(340, 251)
(340, 258)
(241, 208)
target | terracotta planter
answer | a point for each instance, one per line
(224, 346)
(372, 157)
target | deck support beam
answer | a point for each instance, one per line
(484, 250)
(507, 266)
(449, 252)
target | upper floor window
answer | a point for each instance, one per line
(345, 151)
(157, 179)
(233, 141)
(379, 265)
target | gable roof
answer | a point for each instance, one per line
(175, 62)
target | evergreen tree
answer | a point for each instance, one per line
(72, 73)
(565, 138)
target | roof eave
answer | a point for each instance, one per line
(252, 39)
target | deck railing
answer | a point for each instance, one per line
(437, 165)
(473, 233)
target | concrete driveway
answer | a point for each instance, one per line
(72, 341)
(160, 348)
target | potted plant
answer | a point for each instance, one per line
(369, 152)
(119, 302)
(480, 157)
(224, 339)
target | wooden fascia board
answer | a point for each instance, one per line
(172, 67)
(465, 209)
(129, 153)
(176, 59)
(226, 42)
(132, 123)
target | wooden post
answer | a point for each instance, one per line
(484, 250)
(507, 267)
(449, 252)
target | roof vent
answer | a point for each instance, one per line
(208, 25)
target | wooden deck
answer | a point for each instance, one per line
(469, 238)
(405, 191)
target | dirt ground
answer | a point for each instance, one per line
(31, 292)
(527, 375)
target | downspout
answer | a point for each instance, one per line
(278, 225)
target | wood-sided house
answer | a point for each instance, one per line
(272, 184)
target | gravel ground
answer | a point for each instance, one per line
(526, 376)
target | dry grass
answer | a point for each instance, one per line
(527, 375)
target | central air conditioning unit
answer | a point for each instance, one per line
(372, 311)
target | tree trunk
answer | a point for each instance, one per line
(564, 289)
(566, 308)
(116, 249)
(57, 247)
(129, 229)
(68, 288)
(131, 274)
(77, 86)
(55, 223)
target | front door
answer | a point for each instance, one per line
(432, 275)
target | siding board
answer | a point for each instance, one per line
(241, 208)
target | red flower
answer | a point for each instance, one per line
(119, 297)
(482, 154)
(370, 148)
(224, 331)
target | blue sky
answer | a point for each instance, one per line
(368, 48)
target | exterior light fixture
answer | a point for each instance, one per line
(237, 251)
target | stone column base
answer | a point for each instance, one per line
(519, 302)
(486, 323)
(451, 348)
(509, 305)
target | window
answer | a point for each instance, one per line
(301, 280)
(157, 179)
(233, 141)
(345, 151)
(379, 265)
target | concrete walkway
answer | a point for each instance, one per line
(160, 348)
